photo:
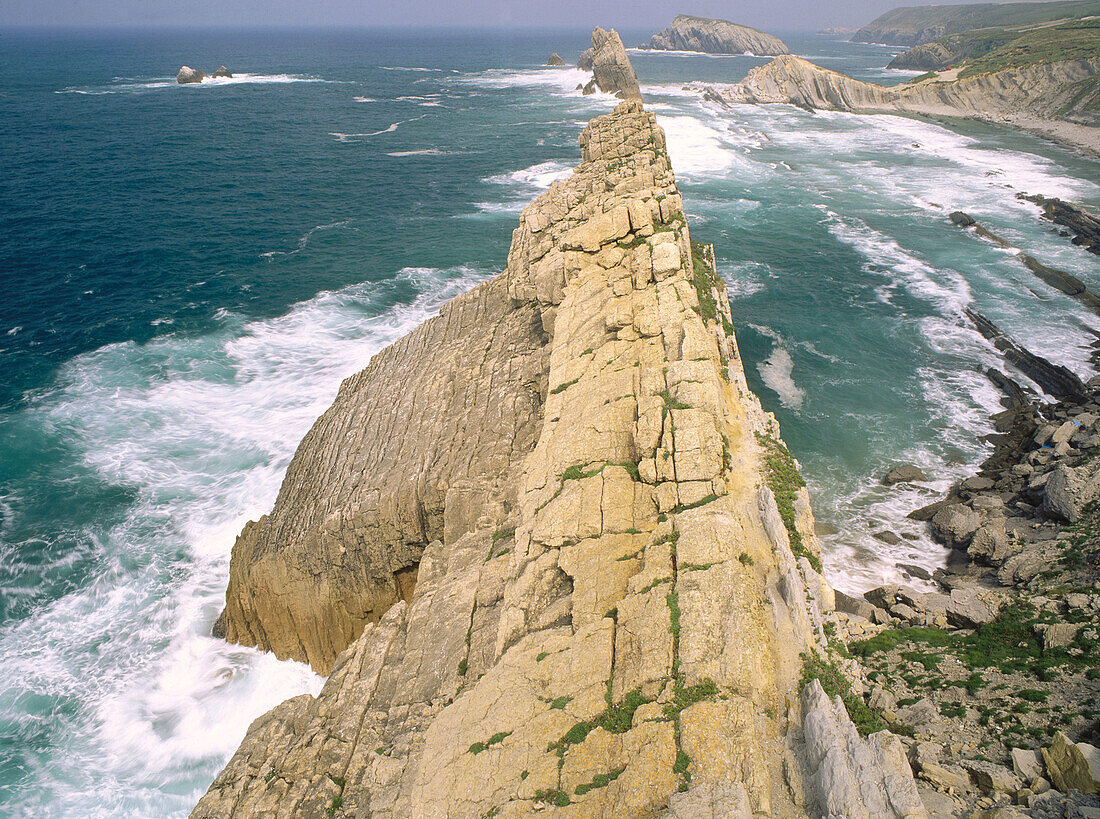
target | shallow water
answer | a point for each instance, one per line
(189, 272)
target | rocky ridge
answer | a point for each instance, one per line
(688, 33)
(1038, 98)
(617, 607)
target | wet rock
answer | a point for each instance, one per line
(904, 473)
(555, 60)
(223, 72)
(1073, 766)
(962, 219)
(915, 571)
(888, 537)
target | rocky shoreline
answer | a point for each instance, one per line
(992, 677)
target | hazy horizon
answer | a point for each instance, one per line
(779, 15)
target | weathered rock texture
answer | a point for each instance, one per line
(609, 63)
(608, 616)
(1039, 98)
(689, 33)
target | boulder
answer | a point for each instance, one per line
(223, 72)
(883, 597)
(1073, 766)
(853, 605)
(1066, 492)
(992, 778)
(955, 525)
(1056, 635)
(555, 60)
(970, 608)
(904, 473)
(189, 75)
(888, 537)
(919, 713)
(990, 543)
(1027, 764)
(962, 219)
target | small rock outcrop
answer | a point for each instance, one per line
(223, 72)
(541, 548)
(904, 473)
(189, 75)
(555, 60)
(608, 61)
(688, 33)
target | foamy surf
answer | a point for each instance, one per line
(201, 429)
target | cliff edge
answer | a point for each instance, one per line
(616, 596)
(688, 33)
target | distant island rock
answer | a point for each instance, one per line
(223, 72)
(608, 61)
(555, 60)
(188, 75)
(688, 33)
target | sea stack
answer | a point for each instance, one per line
(704, 34)
(223, 72)
(610, 65)
(555, 60)
(551, 552)
(189, 75)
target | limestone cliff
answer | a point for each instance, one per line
(689, 33)
(610, 65)
(1046, 98)
(613, 557)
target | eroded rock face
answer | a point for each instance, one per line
(607, 612)
(688, 33)
(608, 61)
(1044, 91)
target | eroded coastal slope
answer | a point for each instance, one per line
(1053, 99)
(567, 561)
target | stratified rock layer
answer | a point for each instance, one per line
(1044, 98)
(609, 63)
(608, 616)
(688, 33)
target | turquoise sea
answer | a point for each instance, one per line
(187, 273)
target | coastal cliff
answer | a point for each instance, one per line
(1050, 99)
(617, 607)
(688, 33)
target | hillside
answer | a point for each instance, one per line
(916, 25)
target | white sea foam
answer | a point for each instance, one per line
(201, 429)
(523, 184)
(131, 84)
(389, 129)
(304, 239)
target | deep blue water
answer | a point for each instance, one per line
(188, 272)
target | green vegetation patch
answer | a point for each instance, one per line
(565, 386)
(706, 280)
(495, 739)
(784, 481)
(1078, 40)
(866, 719)
(599, 781)
(552, 797)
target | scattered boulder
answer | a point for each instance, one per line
(920, 713)
(904, 473)
(853, 605)
(883, 596)
(955, 525)
(1056, 635)
(887, 536)
(992, 778)
(915, 571)
(1027, 764)
(970, 608)
(189, 75)
(555, 60)
(1073, 766)
(991, 543)
(223, 72)
(1066, 492)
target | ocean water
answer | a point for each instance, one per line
(188, 273)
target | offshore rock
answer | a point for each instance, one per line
(688, 33)
(555, 60)
(607, 615)
(188, 75)
(223, 72)
(608, 61)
